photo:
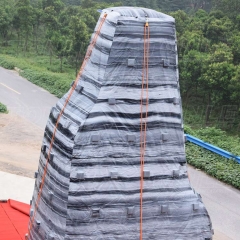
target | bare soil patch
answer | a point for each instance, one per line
(20, 144)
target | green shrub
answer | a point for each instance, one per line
(226, 170)
(52, 82)
(3, 108)
(6, 63)
(216, 137)
(36, 71)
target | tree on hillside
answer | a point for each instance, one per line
(191, 68)
(173, 5)
(24, 20)
(129, 3)
(6, 18)
(235, 44)
(201, 4)
(230, 7)
(218, 72)
(37, 21)
(57, 4)
(235, 86)
(79, 38)
(181, 20)
(218, 27)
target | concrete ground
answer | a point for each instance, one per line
(222, 203)
(16, 187)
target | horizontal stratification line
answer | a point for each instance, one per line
(58, 143)
(126, 179)
(119, 205)
(139, 86)
(54, 205)
(157, 31)
(59, 170)
(122, 46)
(132, 200)
(133, 115)
(139, 66)
(156, 57)
(126, 145)
(92, 99)
(102, 50)
(132, 163)
(134, 23)
(65, 131)
(139, 36)
(133, 220)
(55, 147)
(90, 96)
(91, 81)
(128, 127)
(138, 102)
(124, 192)
(52, 224)
(70, 117)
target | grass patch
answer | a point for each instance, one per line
(225, 170)
(3, 108)
(38, 71)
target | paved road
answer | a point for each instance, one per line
(34, 103)
(24, 98)
(222, 203)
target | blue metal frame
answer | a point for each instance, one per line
(212, 148)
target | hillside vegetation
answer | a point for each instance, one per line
(226, 170)
(208, 42)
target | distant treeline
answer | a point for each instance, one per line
(208, 38)
(163, 5)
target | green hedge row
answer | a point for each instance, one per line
(3, 108)
(47, 80)
(56, 83)
(225, 170)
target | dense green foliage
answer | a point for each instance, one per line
(208, 42)
(209, 57)
(226, 170)
(3, 108)
(163, 5)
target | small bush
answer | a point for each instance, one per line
(6, 63)
(3, 108)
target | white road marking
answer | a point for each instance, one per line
(10, 88)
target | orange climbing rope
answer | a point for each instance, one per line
(143, 128)
(87, 56)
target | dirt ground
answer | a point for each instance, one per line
(20, 144)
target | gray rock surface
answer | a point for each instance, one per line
(91, 189)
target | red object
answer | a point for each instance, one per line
(14, 217)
